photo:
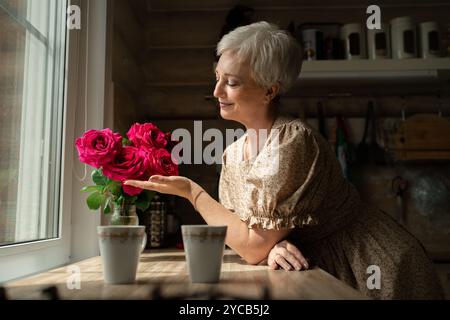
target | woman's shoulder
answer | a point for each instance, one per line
(292, 129)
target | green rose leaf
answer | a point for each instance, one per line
(92, 189)
(149, 194)
(142, 204)
(130, 199)
(119, 200)
(107, 207)
(98, 177)
(144, 199)
(126, 142)
(95, 200)
(115, 187)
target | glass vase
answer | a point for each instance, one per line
(124, 216)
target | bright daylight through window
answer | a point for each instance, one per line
(32, 59)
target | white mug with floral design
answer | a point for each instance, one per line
(120, 248)
(204, 246)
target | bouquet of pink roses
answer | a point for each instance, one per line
(146, 152)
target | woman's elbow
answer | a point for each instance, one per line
(254, 258)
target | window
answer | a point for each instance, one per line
(32, 60)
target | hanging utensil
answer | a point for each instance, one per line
(362, 151)
(376, 152)
(344, 147)
(321, 119)
(399, 186)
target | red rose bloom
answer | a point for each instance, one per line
(130, 164)
(161, 163)
(147, 135)
(98, 147)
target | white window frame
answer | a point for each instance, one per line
(84, 90)
(31, 223)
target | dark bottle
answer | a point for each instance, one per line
(157, 222)
(172, 223)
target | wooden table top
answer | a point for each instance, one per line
(163, 274)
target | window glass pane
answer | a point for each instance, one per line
(31, 102)
(12, 49)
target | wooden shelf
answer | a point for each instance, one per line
(162, 6)
(182, 47)
(387, 71)
(180, 84)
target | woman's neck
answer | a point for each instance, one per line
(257, 132)
(262, 121)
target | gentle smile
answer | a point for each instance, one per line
(224, 105)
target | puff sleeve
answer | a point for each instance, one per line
(287, 183)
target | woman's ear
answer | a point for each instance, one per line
(272, 91)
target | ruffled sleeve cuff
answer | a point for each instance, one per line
(272, 223)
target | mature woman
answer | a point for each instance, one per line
(289, 185)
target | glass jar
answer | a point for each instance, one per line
(124, 215)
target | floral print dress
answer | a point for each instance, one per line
(296, 182)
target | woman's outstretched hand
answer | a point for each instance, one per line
(175, 185)
(287, 256)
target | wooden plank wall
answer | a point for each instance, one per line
(125, 78)
(181, 37)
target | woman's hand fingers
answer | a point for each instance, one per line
(281, 261)
(279, 256)
(176, 185)
(152, 186)
(142, 184)
(287, 256)
(160, 179)
(299, 256)
(273, 264)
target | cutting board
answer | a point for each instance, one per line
(423, 137)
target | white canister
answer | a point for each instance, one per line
(429, 40)
(354, 38)
(403, 38)
(379, 43)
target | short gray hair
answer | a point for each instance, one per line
(274, 55)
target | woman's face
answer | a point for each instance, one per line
(240, 98)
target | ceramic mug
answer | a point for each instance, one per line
(354, 37)
(379, 43)
(429, 40)
(403, 37)
(204, 247)
(120, 248)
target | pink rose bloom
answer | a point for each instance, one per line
(161, 163)
(130, 164)
(147, 135)
(98, 147)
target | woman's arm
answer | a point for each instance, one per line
(253, 245)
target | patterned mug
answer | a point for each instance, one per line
(204, 247)
(120, 248)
